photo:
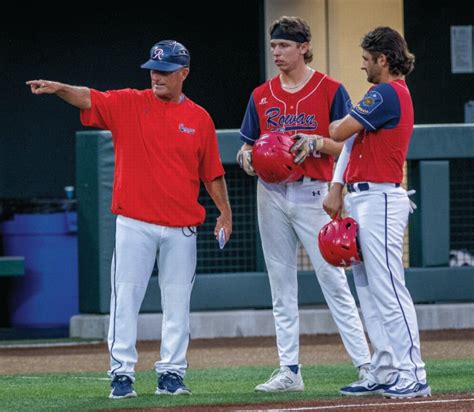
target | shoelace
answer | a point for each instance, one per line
(275, 373)
(122, 380)
(175, 377)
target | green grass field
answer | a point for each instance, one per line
(89, 391)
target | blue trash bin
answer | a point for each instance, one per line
(47, 296)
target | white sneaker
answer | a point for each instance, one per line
(282, 380)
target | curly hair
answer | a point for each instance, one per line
(385, 40)
(294, 25)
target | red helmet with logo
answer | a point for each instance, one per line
(272, 160)
(338, 242)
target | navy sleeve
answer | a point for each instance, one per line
(341, 104)
(379, 109)
(250, 129)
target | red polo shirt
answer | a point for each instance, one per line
(162, 151)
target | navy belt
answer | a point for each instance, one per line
(362, 187)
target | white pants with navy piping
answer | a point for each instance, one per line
(287, 214)
(137, 246)
(386, 304)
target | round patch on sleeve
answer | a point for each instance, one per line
(369, 103)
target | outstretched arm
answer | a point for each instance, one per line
(217, 189)
(77, 96)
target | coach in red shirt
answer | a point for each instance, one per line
(165, 145)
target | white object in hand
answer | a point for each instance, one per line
(221, 238)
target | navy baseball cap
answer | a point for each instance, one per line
(167, 56)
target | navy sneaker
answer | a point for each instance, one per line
(364, 387)
(122, 387)
(170, 383)
(406, 388)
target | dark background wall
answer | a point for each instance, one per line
(103, 49)
(438, 95)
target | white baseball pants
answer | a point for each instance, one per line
(137, 245)
(287, 214)
(386, 304)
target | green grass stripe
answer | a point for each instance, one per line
(89, 391)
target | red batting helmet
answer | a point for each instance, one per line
(272, 160)
(338, 242)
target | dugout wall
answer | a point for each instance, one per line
(235, 278)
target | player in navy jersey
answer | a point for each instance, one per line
(383, 121)
(300, 102)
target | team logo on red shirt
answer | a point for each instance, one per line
(184, 129)
(290, 121)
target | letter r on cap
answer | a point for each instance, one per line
(157, 54)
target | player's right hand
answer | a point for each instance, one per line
(42, 86)
(333, 202)
(244, 159)
(306, 145)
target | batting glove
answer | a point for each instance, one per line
(244, 159)
(306, 145)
